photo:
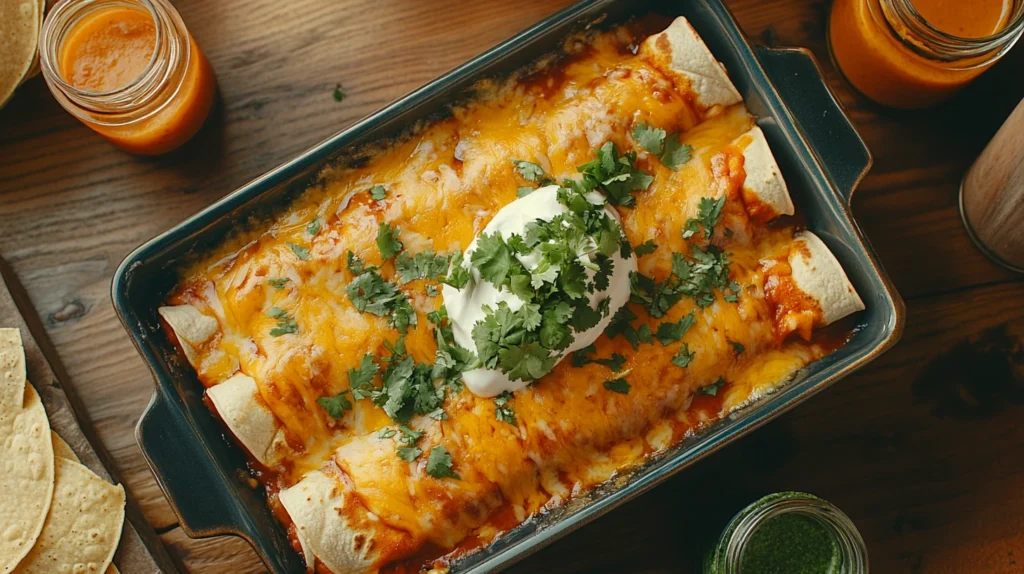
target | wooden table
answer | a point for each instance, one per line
(922, 448)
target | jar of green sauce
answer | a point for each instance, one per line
(789, 533)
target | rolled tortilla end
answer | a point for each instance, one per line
(190, 326)
(817, 272)
(326, 527)
(765, 194)
(679, 52)
(239, 404)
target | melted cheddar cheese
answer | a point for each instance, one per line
(444, 183)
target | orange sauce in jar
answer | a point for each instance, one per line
(113, 50)
(915, 53)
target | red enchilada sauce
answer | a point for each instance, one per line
(915, 53)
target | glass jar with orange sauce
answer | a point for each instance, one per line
(128, 69)
(916, 53)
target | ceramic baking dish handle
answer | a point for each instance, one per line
(176, 456)
(799, 81)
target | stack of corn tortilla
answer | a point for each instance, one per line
(56, 515)
(20, 23)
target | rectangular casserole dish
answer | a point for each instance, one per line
(203, 473)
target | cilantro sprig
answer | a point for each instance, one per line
(439, 463)
(665, 146)
(423, 265)
(616, 175)
(387, 240)
(503, 408)
(286, 324)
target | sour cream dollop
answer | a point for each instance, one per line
(465, 306)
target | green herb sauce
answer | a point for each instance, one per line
(790, 543)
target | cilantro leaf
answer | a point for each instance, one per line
(387, 240)
(708, 212)
(645, 248)
(649, 137)
(386, 432)
(618, 386)
(614, 363)
(669, 332)
(299, 251)
(360, 378)
(278, 283)
(683, 357)
(458, 277)
(530, 171)
(492, 258)
(643, 333)
(370, 293)
(339, 94)
(285, 323)
(336, 405)
(314, 226)
(355, 265)
(409, 453)
(738, 347)
(503, 411)
(439, 463)
(675, 154)
(712, 389)
(431, 290)
(378, 192)
(423, 265)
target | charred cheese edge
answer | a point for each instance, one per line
(352, 504)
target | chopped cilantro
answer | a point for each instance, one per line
(314, 226)
(360, 378)
(387, 240)
(712, 389)
(423, 265)
(708, 212)
(408, 435)
(378, 192)
(643, 332)
(675, 154)
(582, 357)
(617, 386)
(503, 411)
(386, 432)
(409, 453)
(299, 251)
(336, 405)
(666, 147)
(670, 332)
(285, 323)
(439, 463)
(355, 264)
(278, 282)
(738, 347)
(530, 171)
(370, 293)
(458, 277)
(683, 357)
(616, 175)
(492, 257)
(339, 93)
(431, 290)
(645, 248)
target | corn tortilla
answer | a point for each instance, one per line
(26, 477)
(83, 526)
(19, 35)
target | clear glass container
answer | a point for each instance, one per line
(162, 108)
(890, 53)
(849, 552)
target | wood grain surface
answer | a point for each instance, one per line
(922, 448)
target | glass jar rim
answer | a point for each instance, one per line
(71, 8)
(848, 539)
(965, 46)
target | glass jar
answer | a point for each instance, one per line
(744, 536)
(157, 111)
(891, 54)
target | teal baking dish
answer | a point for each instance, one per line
(203, 473)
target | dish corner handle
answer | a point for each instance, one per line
(798, 79)
(183, 470)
